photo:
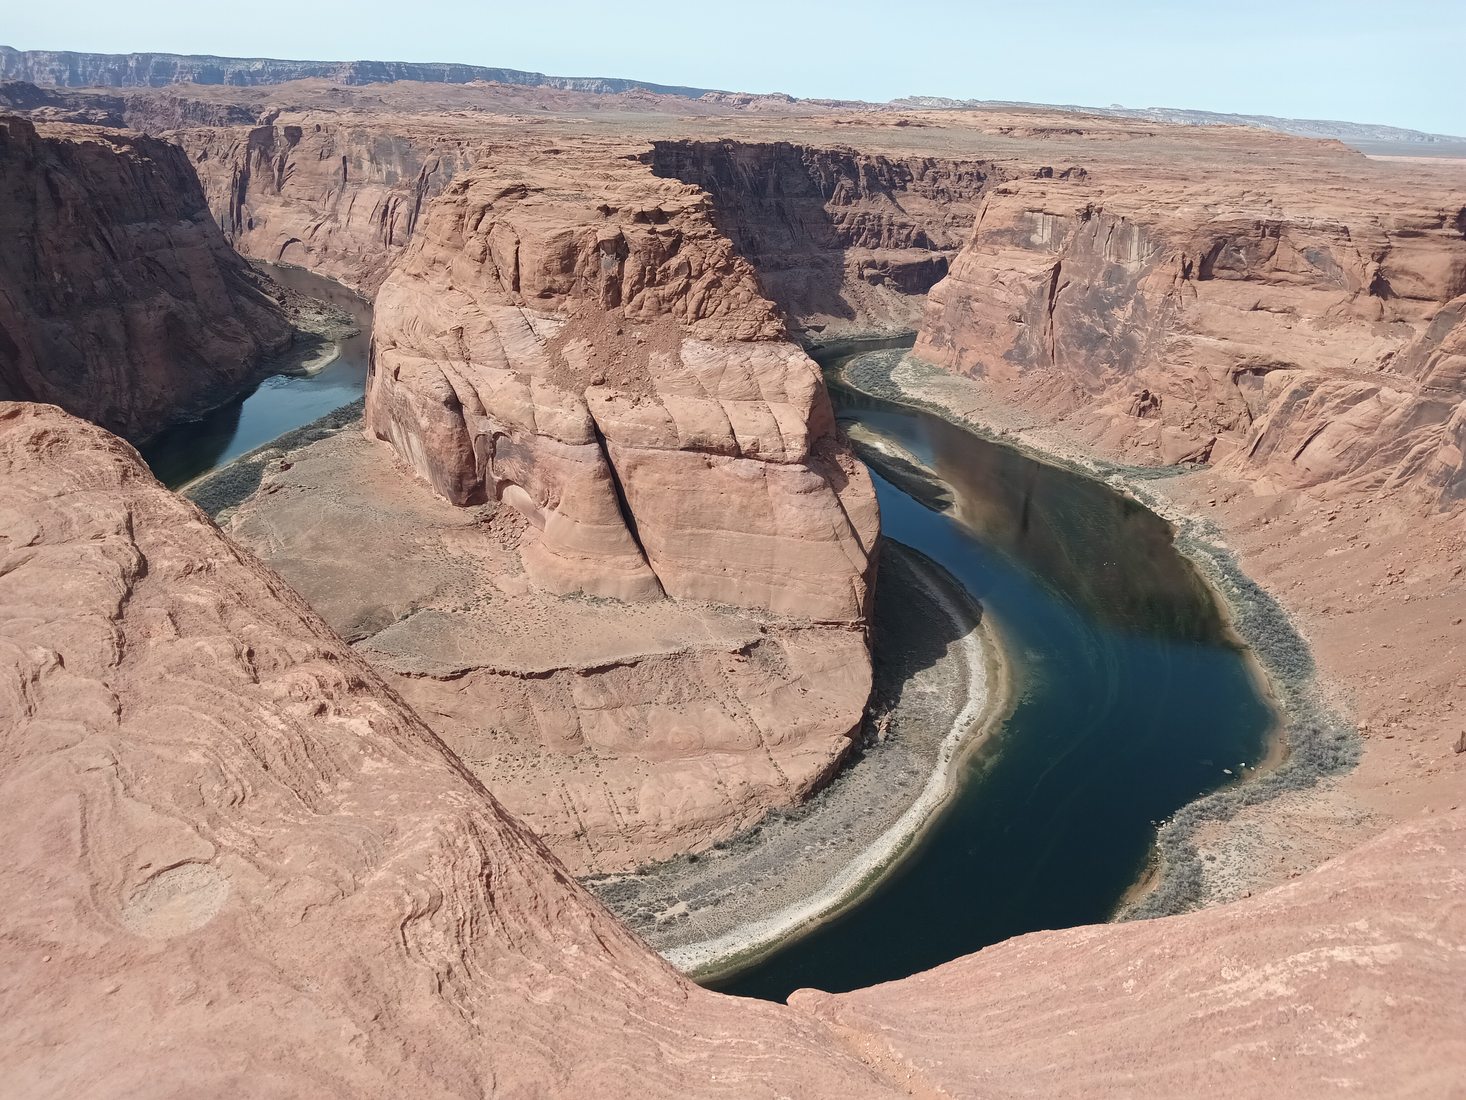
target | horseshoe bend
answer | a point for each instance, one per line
(977, 586)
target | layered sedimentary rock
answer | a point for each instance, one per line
(1299, 333)
(571, 346)
(841, 239)
(578, 340)
(339, 197)
(1346, 980)
(1398, 432)
(237, 863)
(119, 298)
(620, 733)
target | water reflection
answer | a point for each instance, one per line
(276, 405)
(1104, 552)
(1131, 701)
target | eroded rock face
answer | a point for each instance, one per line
(119, 298)
(341, 198)
(1399, 434)
(1301, 335)
(575, 337)
(230, 847)
(622, 734)
(841, 239)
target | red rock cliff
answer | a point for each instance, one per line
(1296, 330)
(339, 197)
(841, 239)
(119, 298)
(575, 337)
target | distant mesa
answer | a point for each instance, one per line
(70, 69)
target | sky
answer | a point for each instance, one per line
(1399, 62)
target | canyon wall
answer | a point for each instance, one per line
(842, 240)
(341, 198)
(1299, 334)
(120, 300)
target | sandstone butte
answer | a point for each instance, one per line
(574, 336)
(1287, 311)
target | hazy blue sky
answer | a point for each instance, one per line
(1393, 61)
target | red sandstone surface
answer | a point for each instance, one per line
(238, 862)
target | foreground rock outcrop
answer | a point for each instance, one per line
(237, 863)
(120, 300)
(1347, 980)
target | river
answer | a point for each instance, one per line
(274, 406)
(1131, 701)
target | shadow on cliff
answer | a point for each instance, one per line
(769, 201)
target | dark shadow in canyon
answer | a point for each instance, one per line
(817, 223)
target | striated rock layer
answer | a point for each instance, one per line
(341, 197)
(620, 733)
(841, 239)
(1299, 333)
(1347, 980)
(119, 298)
(237, 863)
(578, 340)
